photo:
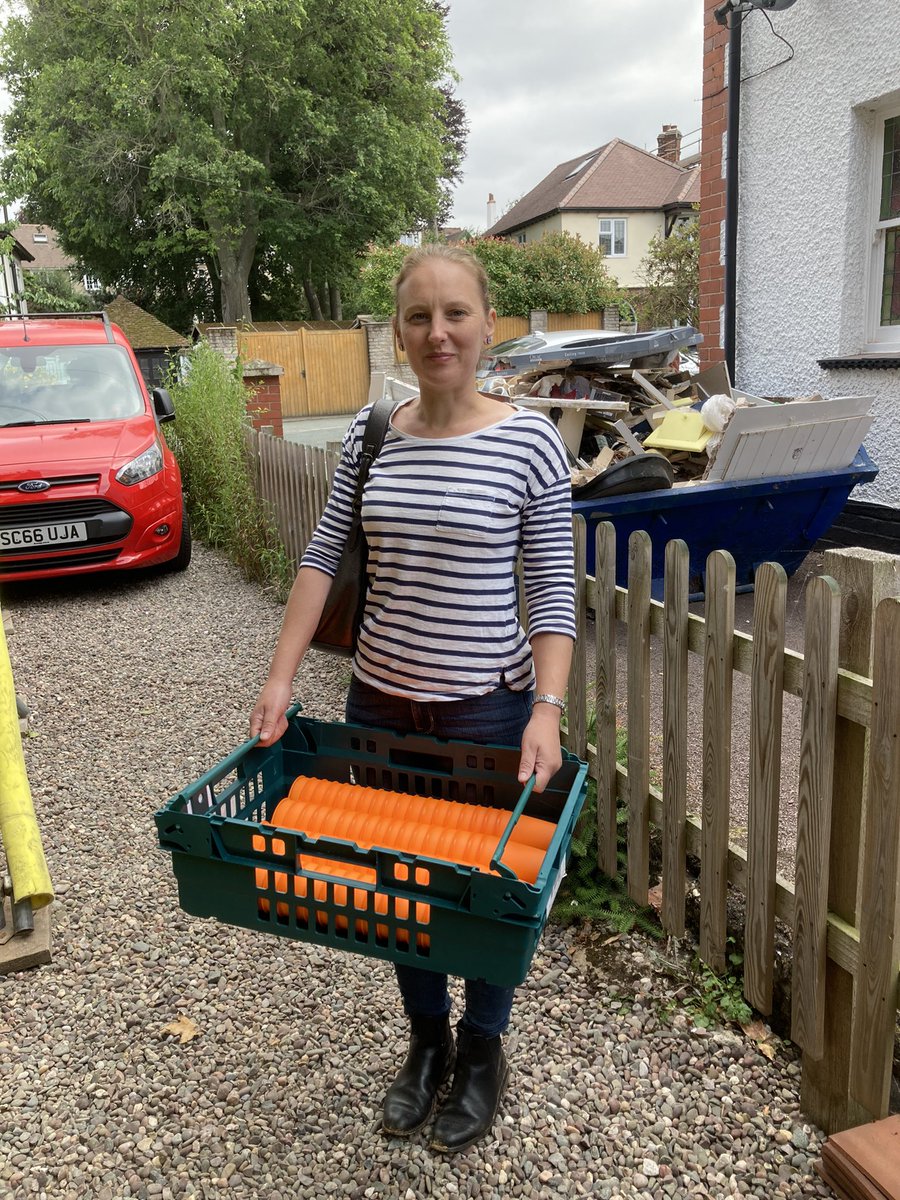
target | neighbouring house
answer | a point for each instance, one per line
(155, 345)
(617, 196)
(11, 281)
(47, 255)
(817, 263)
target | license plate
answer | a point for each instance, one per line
(43, 535)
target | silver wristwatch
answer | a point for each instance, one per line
(546, 698)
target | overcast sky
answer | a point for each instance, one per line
(544, 80)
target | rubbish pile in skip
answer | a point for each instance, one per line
(637, 414)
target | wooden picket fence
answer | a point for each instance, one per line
(843, 906)
(293, 481)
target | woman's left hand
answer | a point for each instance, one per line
(541, 753)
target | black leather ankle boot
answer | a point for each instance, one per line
(478, 1084)
(410, 1098)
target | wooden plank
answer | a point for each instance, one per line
(814, 815)
(605, 696)
(854, 697)
(766, 704)
(675, 736)
(577, 698)
(865, 578)
(875, 1008)
(717, 688)
(638, 687)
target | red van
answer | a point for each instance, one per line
(87, 482)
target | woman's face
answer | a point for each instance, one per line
(441, 323)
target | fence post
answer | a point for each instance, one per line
(865, 578)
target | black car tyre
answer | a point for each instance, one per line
(182, 559)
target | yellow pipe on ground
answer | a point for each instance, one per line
(18, 826)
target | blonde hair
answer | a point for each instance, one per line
(452, 254)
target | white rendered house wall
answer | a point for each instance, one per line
(807, 170)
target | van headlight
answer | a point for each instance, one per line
(146, 464)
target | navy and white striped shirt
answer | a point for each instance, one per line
(445, 519)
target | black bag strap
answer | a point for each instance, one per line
(373, 439)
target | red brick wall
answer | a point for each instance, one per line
(712, 184)
(264, 407)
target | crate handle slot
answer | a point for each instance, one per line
(417, 761)
(496, 864)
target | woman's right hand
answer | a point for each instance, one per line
(268, 719)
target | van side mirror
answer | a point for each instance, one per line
(162, 405)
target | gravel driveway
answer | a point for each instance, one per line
(137, 685)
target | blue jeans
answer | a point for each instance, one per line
(499, 718)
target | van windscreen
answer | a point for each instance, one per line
(67, 383)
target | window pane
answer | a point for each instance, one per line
(620, 237)
(890, 292)
(606, 236)
(890, 171)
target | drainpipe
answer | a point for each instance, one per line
(731, 187)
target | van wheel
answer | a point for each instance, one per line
(182, 559)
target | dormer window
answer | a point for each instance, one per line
(39, 237)
(580, 167)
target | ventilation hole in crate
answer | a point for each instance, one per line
(302, 917)
(371, 746)
(471, 761)
(355, 743)
(437, 788)
(387, 779)
(401, 872)
(489, 763)
(402, 782)
(419, 784)
(471, 793)
(371, 777)
(423, 876)
(361, 932)
(488, 793)
(381, 936)
(279, 847)
(452, 789)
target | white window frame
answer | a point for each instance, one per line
(880, 337)
(611, 233)
(521, 239)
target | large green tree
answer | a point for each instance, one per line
(671, 277)
(231, 132)
(559, 273)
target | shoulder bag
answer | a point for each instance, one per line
(342, 615)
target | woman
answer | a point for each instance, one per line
(464, 481)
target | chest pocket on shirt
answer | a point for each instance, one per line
(474, 512)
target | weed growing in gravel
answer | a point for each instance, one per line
(711, 999)
(207, 438)
(587, 894)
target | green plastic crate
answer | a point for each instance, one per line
(440, 916)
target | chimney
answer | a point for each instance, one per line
(491, 210)
(669, 144)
